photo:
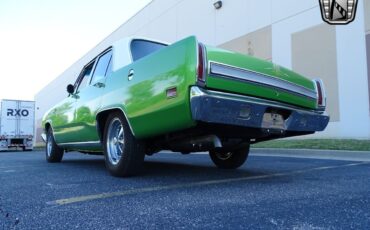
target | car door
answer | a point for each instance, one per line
(88, 100)
(64, 115)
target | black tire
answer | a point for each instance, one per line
(53, 152)
(229, 159)
(124, 154)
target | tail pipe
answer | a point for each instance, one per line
(197, 144)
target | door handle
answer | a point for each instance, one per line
(99, 85)
(130, 74)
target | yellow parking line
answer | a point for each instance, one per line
(80, 199)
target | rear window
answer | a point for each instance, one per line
(142, 48)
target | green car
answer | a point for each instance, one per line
(139, 97)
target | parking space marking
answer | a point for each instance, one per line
(81, 199)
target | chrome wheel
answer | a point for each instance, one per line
(53, 152)
(115, 141)
(123, 153)
(224, 155)
(227, 159)
(49, 145)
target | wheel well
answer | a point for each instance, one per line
(101, 120)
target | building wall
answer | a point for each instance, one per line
(272, 30)
(367, 15)
(309, 60)
(257, 43)
(367, 31)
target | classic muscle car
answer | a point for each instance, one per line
(139, 97)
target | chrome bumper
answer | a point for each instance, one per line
(231, 109)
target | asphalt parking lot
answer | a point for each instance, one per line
(183, 191)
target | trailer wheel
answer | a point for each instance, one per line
(53, 152)
(124, 154)
(229, 159)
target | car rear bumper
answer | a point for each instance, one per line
(231, 109)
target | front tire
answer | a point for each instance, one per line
(229, 159)
(54, 153)
(124, 154)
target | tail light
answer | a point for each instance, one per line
(321, 96)
(201, 71)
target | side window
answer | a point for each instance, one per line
(101, 68)
(85, 77)
(142, 48)
(109, 69)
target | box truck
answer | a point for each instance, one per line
(17, 124)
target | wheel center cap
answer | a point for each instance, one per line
(115, 141)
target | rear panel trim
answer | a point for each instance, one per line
(245, 75)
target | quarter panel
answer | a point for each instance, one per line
(144, 99)
(61, 117)
(262, 67)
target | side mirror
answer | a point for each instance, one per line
(70, 89)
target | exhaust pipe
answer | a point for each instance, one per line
(199, 144)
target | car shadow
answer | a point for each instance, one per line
(157, 168)
(199, 171)
(96, 164)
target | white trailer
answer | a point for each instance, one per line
(17, 124)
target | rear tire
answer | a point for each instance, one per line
(229, 159)
(54, 153)
(124, 154)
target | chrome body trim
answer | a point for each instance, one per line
(87, 143)
(197, 91)
(236, 73)
(225, 108)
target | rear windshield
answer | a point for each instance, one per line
(142, 48)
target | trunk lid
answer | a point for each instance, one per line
(233, 72)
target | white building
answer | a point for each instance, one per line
(288, 32)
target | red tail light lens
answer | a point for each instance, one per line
(321, 96)
(201, 61)
(319, 91)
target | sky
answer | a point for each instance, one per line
(39, 39)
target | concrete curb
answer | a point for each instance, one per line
(313, 154)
